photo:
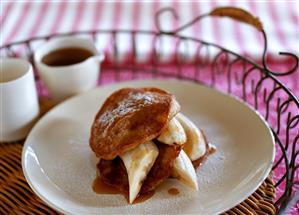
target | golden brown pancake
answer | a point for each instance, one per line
(114, 173)
(129, 117)
(162, 167)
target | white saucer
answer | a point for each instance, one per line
(60, 167)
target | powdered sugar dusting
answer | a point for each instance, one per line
(133, 102)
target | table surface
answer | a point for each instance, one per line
(23, 20)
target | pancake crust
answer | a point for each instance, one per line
(114, 173)
(162, 167)
(129, 117)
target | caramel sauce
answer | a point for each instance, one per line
(173, 191)
(66, 56)
(212, 150)
(100, 187)
(144, 197)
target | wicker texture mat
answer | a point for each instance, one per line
(16, 197)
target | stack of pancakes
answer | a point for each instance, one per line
(142, 139)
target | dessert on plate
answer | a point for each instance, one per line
(142, 139)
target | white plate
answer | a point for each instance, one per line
(60, 167)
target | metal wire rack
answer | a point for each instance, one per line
(212, 65)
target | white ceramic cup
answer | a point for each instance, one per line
(18, 99)
(65, 81)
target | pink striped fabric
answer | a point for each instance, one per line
(215, 25)
(116, 9)
(278, 30)
(17, 25)
(41, 16)
(252, 7)
(284, 34)
(6, 11)
(196, 11)
(117, 14)
(155, 7)
(78, 16)
(237, 32)
(59, 16)
(97, 15)
(135, 15)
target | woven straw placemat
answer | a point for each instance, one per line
(16, 197)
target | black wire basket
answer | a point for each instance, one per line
(212, 65)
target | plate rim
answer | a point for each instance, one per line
(115, 84)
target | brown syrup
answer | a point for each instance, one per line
(144, 197)
(100, 187)
(173, 191)
(66, 56)
(212, 150)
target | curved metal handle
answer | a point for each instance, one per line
(238, 14)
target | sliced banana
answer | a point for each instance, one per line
(138, 163)
(195, 146)
(173, 133)
(174, 108)
(184, 171)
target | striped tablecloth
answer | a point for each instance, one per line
(25, 19)
(20, 20)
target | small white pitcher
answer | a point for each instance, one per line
(19, 106)
(65, 81)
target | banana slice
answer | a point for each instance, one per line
(138, 163)
(195, 146)
(184, 171)
(173, 134)
(175, 108)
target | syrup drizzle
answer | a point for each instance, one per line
(173, 191)
(100, 187)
